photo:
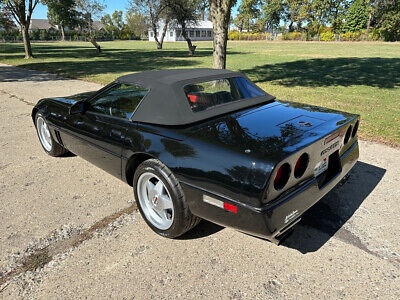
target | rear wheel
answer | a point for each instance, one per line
(161, 201)
(50, 146)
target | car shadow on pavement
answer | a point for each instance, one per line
(326, 218)
(205, 228)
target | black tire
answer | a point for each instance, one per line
(56, 148)
(183, 219)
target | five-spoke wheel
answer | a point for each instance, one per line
(46, 140)
(161, 201)
(155, 200)
(44, 133)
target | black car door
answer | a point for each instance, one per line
(98, 134)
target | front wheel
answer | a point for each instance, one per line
(50, 146)
(161, 201)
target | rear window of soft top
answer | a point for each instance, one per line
(205, 95)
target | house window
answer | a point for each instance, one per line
(197, 33)
(151, 33)
(203, 33)
(191, 33)
(209, 33)
(178, 33)
(171, 33)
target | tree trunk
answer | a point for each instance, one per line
(94, 43)
(291, 26)
(191, 47)
(164, 31)
(154, 27)
(368, 24)
(219, 46)
(220, 11)
(27, 41)
(159, 45)
(62, 33)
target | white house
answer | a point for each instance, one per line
(198, 31)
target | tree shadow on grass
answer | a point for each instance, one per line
(371, 71)
(80, 61)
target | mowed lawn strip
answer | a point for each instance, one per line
(362, 78)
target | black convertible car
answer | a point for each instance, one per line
(204, 143)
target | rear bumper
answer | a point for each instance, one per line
(274, 220)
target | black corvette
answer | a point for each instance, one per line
(204, 143)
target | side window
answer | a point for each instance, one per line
(121, 101)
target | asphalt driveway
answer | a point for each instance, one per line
(69, 230)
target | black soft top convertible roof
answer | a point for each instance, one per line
(166, 102)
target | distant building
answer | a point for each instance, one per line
(198, 31)
(98, 26)
(37, 24)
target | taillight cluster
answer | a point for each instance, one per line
(351, 132)
(355, 129)
(283, 173)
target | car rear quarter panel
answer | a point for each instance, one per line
(200, 164)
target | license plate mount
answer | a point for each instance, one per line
(321, 167)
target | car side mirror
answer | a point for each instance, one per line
(78, 108)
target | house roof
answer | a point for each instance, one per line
(44, 24)
(200, 24)
(166, 102)
(40, 24)
(97, 25)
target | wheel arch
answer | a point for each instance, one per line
(133, 162)
(34, 112)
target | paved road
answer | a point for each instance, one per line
(346, 246)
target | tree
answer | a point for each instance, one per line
(296, 12)
(337, 13)
(249, 11)
(388, 19)
(356, 17)
(88, 10)
(155, 11)
(203, 8)
(220, 13)
(239, 22)
(272, 13)
(184, 12)
(114, 23)
(6, 22)
(62, 13)
(21, 11)
(136, 23)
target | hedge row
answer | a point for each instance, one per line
(244, 36)
(300, 36)
(51, 34)
(330, 36)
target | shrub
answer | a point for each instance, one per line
(245, 36)
(11, 35)
(327, 36)
(294, 36)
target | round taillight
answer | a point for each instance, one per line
(301, 165)
(347, 136)
(353, 134)
(282, 176)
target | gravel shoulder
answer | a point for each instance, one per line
(346, 246)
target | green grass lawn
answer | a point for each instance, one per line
(362, 78)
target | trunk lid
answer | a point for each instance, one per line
(272, 131)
